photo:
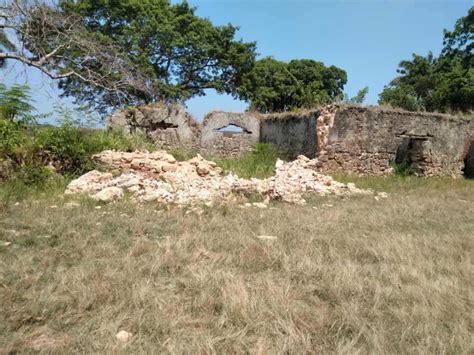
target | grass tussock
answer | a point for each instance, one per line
(344, 275)
(259, 162)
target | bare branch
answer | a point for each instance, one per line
(59, 45)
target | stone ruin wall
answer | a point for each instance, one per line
(215, 141)
(368, 141)
(350, 139)
(167, 126)
(293, 133)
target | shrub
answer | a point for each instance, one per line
(26, 150)
(402, 169)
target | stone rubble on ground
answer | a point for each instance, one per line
(124, 336)
(267, 237)
(157, 176)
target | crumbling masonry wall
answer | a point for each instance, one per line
(216, 139)
(293, 133)
(168, 126)
(369, 140)
(350, 139)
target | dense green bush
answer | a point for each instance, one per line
(31, 152)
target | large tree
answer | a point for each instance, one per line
(275, 86)
(59, 44)
(181, 53)
(444, 83)
(110, 53)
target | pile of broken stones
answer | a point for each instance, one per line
(157, 176)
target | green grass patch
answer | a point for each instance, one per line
(259, 162)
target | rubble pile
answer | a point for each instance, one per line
(157, 176)
(293, 179)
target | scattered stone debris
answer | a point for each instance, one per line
(109, 194)
(71, 204)
(124, 336)
(157, 176)
(267, 237)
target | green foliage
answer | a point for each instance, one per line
(402, 169)
(12, 136)
(15, 103)
(400, 96)
(180, 53)
(444, 83)
(33, 174)
(258, 163)
(460, 40)
(360, 97)
(274, 86)
(31, 153)
(70, 148)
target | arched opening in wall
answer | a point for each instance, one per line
(409, 155)
(232, 129)
(469, 162)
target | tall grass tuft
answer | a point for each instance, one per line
(259, 162)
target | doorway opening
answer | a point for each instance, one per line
(410, 155)
(469, 162)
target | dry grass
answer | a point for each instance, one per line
(343, 276)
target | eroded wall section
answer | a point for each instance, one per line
(292, 133)
(229, 133)
(350, 139)
(168, 126)
(373, 140)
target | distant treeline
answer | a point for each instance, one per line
(111, 54)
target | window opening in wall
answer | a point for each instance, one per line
(233, 129)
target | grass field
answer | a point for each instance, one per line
(342, 275)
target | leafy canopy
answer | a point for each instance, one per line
(180, 53)
(444, 83)
(15, 103)
(274, 86)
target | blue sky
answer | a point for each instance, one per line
(367, 38)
